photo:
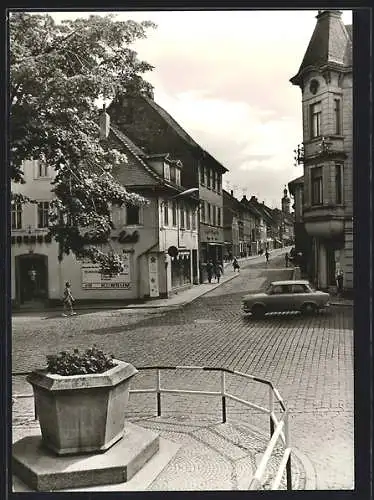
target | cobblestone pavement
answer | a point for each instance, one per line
(310, 361)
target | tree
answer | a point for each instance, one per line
(58, 73)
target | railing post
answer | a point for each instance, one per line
(158, 389)
(271, 408)
(223, 392)
(287, 439)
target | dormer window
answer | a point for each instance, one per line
(175, 174)
(167, 171)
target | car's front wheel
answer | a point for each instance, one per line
(308, 309)
(258, 311)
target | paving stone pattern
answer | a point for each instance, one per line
(309, 359)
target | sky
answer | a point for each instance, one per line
(224, 77)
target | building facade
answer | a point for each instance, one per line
(154, 130)
(146, 237)
(325, 79)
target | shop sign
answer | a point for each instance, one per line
(93, 279)
(153, 276)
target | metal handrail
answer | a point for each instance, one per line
(279, 429)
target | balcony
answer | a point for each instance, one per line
(324, 149)
(324, 221)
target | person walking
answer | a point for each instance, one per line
(209, 270)
(68, 301)
(267, 256)
(218, 271)
(286, 258)
(339, 282)
(235, 265)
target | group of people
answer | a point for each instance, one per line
(214, 270)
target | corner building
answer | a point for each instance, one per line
(325, 80)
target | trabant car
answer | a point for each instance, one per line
(279, 296)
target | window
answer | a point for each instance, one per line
(218, 216)
(173, 174)
(17, 216)
(280, 289)
(116, 215)
(193, 215)
(315, 120)
(316, 181)
(338, 184)
(188, 218)
(132, 215)
(43, 209)
(202, 211)
(174, 214)
(202, 174)
(299, 288)
(166, 171)
(218, 183)
(178, 176)
(208, 213)
(208, 177)
(182, 216)
(337, 116)
(42, 170)
(214, 176)
(166, 213)
(214, 218)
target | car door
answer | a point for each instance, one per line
(286, 303)
(299, 295)
(276, 299)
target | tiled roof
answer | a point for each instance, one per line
(135, 150)
(330, 43)
(178, 129)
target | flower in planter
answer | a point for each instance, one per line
(92, 360)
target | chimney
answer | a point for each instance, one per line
(232, 192)
(244, 197)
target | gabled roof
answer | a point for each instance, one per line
(179, 130)
(331, 43)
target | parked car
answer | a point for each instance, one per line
(279, 296)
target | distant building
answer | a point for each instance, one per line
(325, 79)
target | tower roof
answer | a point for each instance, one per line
(331, 43)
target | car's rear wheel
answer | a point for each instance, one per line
(258, 311)
(309, 309)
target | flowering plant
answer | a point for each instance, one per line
(92, 360)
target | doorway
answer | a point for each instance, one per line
(31, 273)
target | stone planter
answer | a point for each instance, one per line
(82, 413)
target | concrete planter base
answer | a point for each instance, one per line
(82, 413)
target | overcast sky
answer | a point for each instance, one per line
(224, 76)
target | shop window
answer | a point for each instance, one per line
(317, 186)
(338, 184)
(315, 120)
(43, 214)
(132, 215)
(16, 216)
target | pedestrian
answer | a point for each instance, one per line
(267, 256)
(68, 301)
(286, 258)
(339, 282)
(209, 270)
(235, 265)
(218, 270)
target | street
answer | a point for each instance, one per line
(309, 360)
